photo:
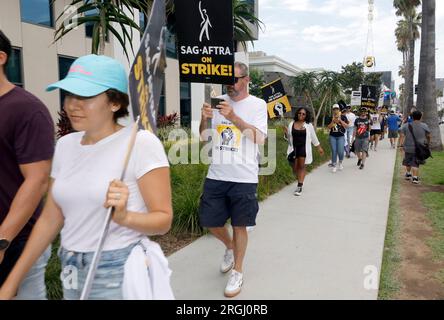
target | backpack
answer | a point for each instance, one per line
(422, 152)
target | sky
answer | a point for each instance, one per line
(332, 33)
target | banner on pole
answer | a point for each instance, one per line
(369, 98)
(356, 99)
(147, 72)
(381, 99)
(276, 99)
(205, 41)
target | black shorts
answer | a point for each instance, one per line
(375, 132)
(222, 200)
(410, 160)
(393, 134)
(298, 152)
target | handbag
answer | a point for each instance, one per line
(291, 157)
(352, 148)
(422, 152)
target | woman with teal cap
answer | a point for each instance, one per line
(83, 184)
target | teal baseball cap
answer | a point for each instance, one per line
(91, 75)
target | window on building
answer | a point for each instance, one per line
(142, 21)
(37, 12)
(171, 46)
(64, 65)
(185, 104)
(162, 102)
(14, 67)
(251, 4)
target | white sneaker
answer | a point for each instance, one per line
(234, 284)
(228, 262)
(334, 170)
(298, 192)
(341, 167)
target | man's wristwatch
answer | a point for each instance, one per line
(4, 244)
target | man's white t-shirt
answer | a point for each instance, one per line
(351, 117)
(82, 174)
(235, 158)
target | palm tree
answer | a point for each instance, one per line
(318, 90)
(410, 30)
(305, 85)
(330, 89)
(103, 15)
(427, 73)
(244, 19)
(402, 41)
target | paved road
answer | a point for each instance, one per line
(317, 246)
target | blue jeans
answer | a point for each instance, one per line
(337, 149)
(349, 138)
(33, 286)
(107, 284)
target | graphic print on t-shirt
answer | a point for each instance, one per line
(362, 125)
(229, 137)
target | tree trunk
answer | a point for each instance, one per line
(427, 73)
(102, 33)
(408, 82)
(310, 102)
(404, 100)
(411, 75)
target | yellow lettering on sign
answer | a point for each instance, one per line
(207, 69)
(138, 68)
(202, 69)
(185, 68)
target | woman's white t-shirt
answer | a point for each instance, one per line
(376, 122)
(82, 174)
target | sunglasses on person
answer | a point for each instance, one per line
(302, 114)
(236, 79)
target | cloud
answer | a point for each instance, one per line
(333, 33)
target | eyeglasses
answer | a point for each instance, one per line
(236, 79)
(302, 114)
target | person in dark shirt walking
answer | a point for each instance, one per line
(26, 150)
(361, 137)
(422, 135)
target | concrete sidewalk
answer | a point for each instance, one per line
(317, 246)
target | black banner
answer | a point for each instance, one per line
(205, 41)
(147, 72)
(369, 98)
(276, 98)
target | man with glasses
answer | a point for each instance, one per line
(230, 190)
(26, 149)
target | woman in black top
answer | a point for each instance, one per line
(301, 136)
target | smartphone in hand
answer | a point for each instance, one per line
(215, 102)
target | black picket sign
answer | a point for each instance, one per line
(148, 69)
(369, 98)
(205, 37)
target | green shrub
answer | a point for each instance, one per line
(187, 181)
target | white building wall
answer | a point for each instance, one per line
(39, 53)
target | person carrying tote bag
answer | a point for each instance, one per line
(414, 141)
